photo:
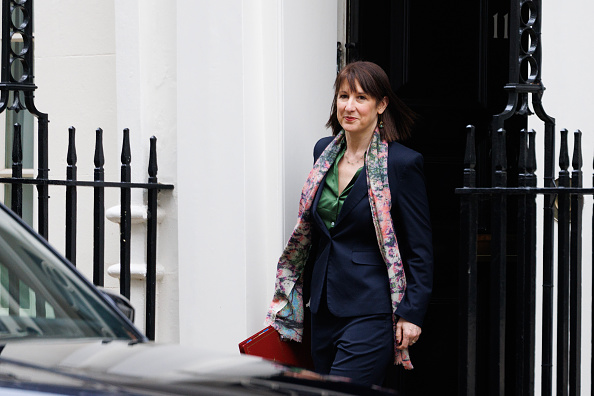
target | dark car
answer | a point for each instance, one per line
(61, 335)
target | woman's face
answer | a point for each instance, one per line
(357, 111)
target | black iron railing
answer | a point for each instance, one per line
(507, 364)
(71, 185)
(17, 94)
(520, 353)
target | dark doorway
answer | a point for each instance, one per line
(449, 62)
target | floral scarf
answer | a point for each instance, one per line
(286, 311)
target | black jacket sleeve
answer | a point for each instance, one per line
(410, 213)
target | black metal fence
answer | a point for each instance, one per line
(17, 94)
(98, 185)
(512, 313)
(498, 243)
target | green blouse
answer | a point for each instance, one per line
(330, 201)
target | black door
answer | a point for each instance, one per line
(449, 62)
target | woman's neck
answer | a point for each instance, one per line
(357, 143)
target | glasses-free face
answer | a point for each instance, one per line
(356, 110)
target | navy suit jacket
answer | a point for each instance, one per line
(345, 267)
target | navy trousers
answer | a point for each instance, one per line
(360, 348)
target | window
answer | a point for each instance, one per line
(41, 297)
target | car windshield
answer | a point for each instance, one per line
(42, 297)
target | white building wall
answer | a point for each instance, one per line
(112, 65)
(146, 77)
(76, 79)
(254, 90)
(237, 93)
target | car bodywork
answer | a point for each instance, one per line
(61, 335)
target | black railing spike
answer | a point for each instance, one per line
(17, 171)
(577, 160)
(126, 152)
(125, 217)
(575, 269)
(17, 146)
(99, 156)
(523, 154)
(470, 158)
(470, 152)
(71, 198)
(152, 167)
(564, 151)
(42, 175)
(563, 276)
(151, 243)
(99, 213)
(71, 156)
(500, 151)
(531, 160)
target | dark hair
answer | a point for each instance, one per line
(398, 118)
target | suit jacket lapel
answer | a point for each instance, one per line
(357, 193)
(314, 206)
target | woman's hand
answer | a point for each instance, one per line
(407, 333)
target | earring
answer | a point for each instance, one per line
(381, 125)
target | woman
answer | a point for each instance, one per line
(361, 251)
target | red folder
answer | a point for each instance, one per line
(267, 344)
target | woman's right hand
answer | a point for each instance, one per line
(407, 333)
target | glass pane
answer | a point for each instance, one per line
(43, 297)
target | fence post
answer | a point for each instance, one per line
(16, 206)
(530, 252)
(563, 272)
(71, 198)
(151, 243)
(42, 174)
(575, 270)
(468, 272)
(499, 265)
(498, 268)
(548, 255)
(17, 171)
(99, 212)
(125, 217)
(526, 267)
(521, 269)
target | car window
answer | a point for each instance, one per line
(40, 296)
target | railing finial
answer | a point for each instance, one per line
(153, 168)
(577, 160)
(126, 152)
(531, 160)
(71, 156)
(563, 151)
(99, 158)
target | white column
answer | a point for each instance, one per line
(309, 60)
(254, 90)
(262, 128)
(146, 99)
(211, 175)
